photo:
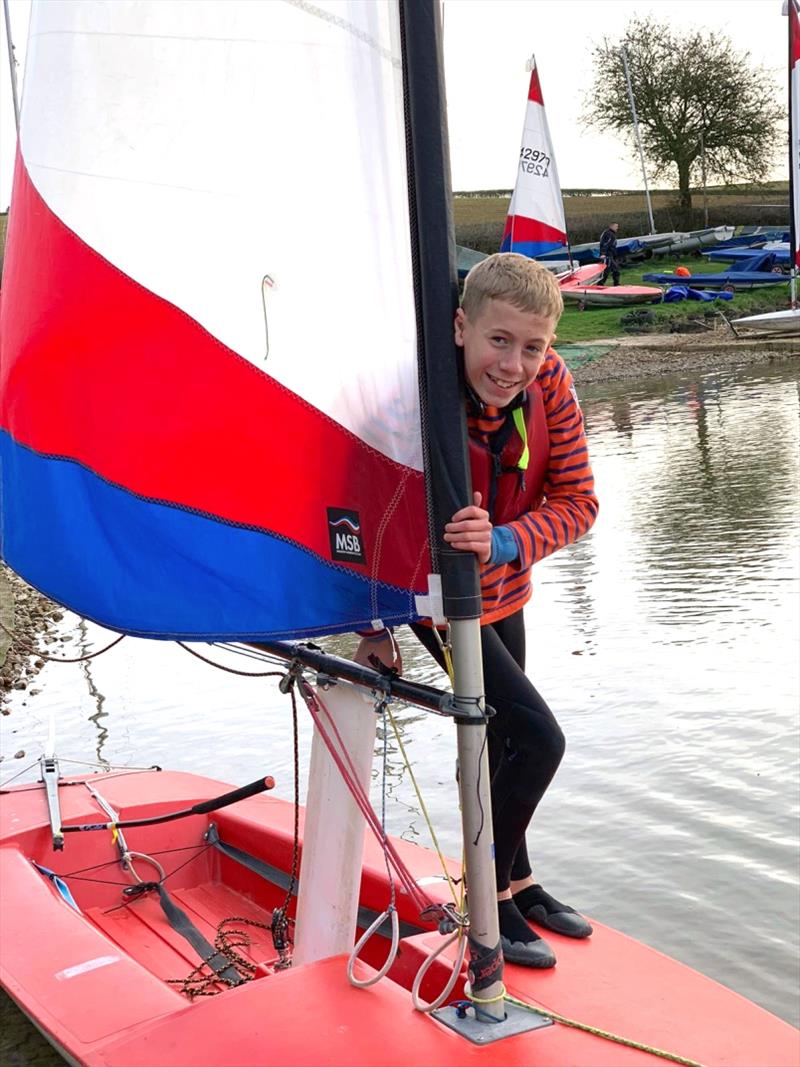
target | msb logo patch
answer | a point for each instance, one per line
(344, 530)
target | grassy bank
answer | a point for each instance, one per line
(479, 219)
(688, 316)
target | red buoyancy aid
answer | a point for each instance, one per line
(507, 491)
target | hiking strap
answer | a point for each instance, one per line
(277, 877)
(183, 925)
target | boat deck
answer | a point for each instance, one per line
(142, 932)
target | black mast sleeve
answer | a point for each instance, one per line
(444, 430)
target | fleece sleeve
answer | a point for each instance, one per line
(569, 506)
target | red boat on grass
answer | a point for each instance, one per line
(612, 295)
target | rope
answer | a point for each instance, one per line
(606, 1035)
(446, 649)
(119, 773)
(279, 927)
(230, 670)
(427, 817)
(226, 943)
(391, 911)
(340, 756)
(421, 1005)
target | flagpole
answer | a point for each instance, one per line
(624, 55)
(12, 64)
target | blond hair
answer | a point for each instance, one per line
(519, 281)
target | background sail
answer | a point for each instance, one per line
(535, 222)
(794, 127)
(209, 416)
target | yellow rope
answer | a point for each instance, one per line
(431, 830)
(488, 1000)
(605, 1034)
(446, 653)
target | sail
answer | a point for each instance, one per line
(535, 223)
(209, 404)
(794, 128)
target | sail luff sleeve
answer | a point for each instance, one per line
(448, 478)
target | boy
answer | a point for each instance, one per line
(534, 493)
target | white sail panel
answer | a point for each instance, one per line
(535, 224)
(202, 148)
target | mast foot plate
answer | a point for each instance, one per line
(517, 1021)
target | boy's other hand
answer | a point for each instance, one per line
(384, 647)
(470, 530)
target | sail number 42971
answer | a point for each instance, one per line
(532, 161)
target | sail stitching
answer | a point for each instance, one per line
(189, 510)
(383, 526)
(343, 24)
(230, 353)
(411, 599)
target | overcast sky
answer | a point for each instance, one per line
(487, 43)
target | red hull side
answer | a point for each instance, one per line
(96, 984)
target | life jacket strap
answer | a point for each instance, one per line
(518, 415)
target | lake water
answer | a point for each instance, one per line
(667, 644)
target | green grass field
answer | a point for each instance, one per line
(598, 322)
(479, 219)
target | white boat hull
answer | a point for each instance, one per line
(613, 296)
(782, 322)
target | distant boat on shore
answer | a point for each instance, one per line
(788, 321)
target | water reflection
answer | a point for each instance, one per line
(666, 643)
(710, 488)
(94, 692)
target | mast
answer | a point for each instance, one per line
(12, 64)
(445, 443)
(703, 171)
(624, 56)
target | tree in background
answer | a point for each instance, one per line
(689, 90)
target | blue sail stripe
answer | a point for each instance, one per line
(152, 570)
(530, 248)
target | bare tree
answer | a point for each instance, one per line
(688, 88)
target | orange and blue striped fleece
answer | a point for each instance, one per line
(569, 506)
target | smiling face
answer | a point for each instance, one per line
(504, 348)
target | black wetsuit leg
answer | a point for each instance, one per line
(525, 741)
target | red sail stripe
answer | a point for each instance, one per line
(526, 229)
(535, 89)
(98, 369)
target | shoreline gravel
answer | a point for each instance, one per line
(657, 355)
(27, 621)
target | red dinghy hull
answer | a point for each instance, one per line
(592, 272)
(98, 982)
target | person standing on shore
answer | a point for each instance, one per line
(608, 253)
